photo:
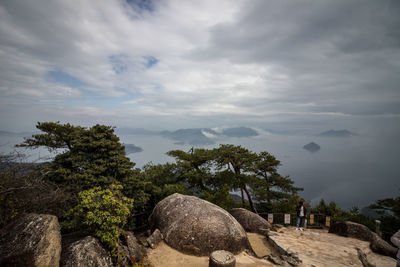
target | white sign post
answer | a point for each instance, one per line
(287, 218)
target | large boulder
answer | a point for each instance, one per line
(351, 229)
(359, 231)
(195, 226)
(86, 252)
(31, 240)
(250, 221)
(378, 245)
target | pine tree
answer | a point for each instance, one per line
(271, 186)
(87, 157)
(237, 161)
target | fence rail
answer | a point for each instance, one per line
(313, 220)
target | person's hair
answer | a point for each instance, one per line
(301, 203)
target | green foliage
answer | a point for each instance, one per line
(195, 169)
(165, 179)
(211, 174)
(389, 223)
(390, 204)
(238, 161)
(22, 190)
(136, 186)
(102, 212)
(337, 214)
(221, 198)
(271, 187)
(389, 226)
(279, 206)
(88, 157)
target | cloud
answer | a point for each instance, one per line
(302, 59)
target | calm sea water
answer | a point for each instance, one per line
(351, 171)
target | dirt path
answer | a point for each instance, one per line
(314, 247)
(165, 256)
(319, 248)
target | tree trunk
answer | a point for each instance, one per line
(250, 200)
(241, 191)
(268, 197)
(222, 258)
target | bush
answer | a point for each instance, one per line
(102, 212)
(22, 190)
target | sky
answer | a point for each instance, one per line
(303, 66)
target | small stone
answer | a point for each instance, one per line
(222, 258)
(292, 260)
(275, 260)
(155, 238)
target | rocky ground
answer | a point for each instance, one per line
(314, 247)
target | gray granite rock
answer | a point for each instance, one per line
(250, 221)
(195, 226)
(86, 252)
(31, 240)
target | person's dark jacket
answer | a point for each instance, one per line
(298, 210)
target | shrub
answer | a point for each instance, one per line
(102, 212)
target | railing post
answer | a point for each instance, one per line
(377, 226)
(328, 221)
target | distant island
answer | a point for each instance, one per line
(138, 131)
(131, 148)
(337, 133)
(239, 132)
(312, 147)
(193, 136)
(207, 136)
(196, 136)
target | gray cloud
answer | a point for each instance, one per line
(330, 52)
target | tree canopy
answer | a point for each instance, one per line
(213, 173)
(271, 186)
(389, 204)
(89, 156)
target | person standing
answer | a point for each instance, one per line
(301, 214)
(396, 241)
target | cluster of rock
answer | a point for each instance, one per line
(35, 240)
(186, 223)
(359, 231)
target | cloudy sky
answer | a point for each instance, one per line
(295, 66)
(174, 64)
